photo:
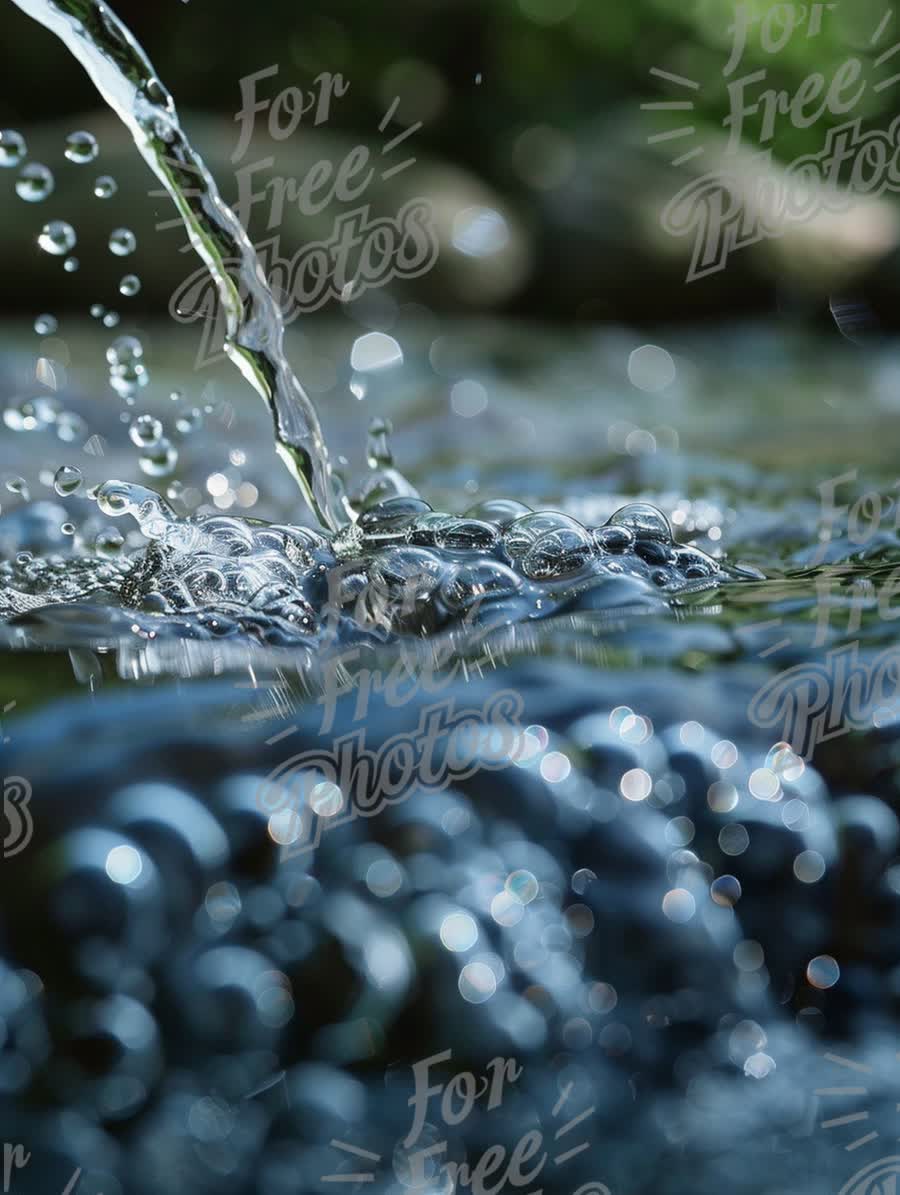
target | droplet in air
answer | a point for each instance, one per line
(189, 421)
(34, 183)
(81, 147)
(71, 264)
(130, 285)
(18, 485)
(67, 480)
(45, 325)
(160, 459)
(12, 147)
(145, 430)
(375, 350)
(57, 238)
(105, 186)
(122, 242)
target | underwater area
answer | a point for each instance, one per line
(449, 564)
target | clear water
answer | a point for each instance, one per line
(658, 886)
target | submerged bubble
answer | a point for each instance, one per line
(105, 186)
(12, 147)
(160, 459)
(57, 238)
(122, 242)
(67, 480)
(35, 183)
(145, 430)
(130, 285)
(81, 147)
(46, 325)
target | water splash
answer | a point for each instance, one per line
(126, 79)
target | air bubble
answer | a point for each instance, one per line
(644, 520)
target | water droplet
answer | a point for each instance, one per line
(68, 528)
(71, 264)
(18, 485)
(378, 447)
(67, 480)
(122, 242)
(81, 147)
(108, 544)
(375, 350)
(46, 325)
(12, 147)
(57, 238)
(160, 459)
(105, 186)
(35, 183)
(130, 285)
(145, 430)
(124, 351)
(189, 421)
(97, 310)
(111, 319)
(70, 427)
